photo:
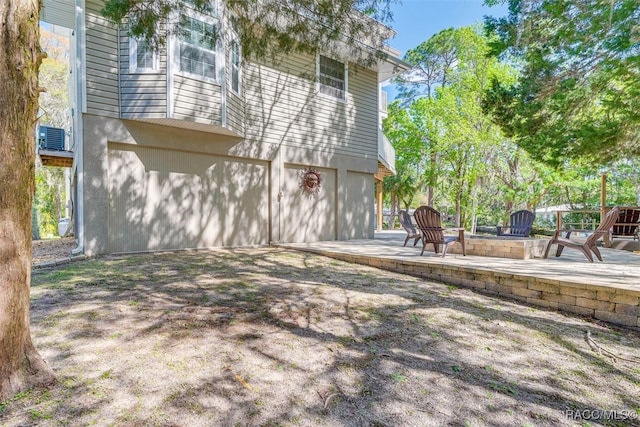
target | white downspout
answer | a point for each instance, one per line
(81, 104)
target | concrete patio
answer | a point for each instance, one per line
(608, 290)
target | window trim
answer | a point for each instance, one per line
(209, 20)
(235, 40)
(319, 84)
(133, 59)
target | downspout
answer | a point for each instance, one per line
(81, 109)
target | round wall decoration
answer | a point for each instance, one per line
(310, 181)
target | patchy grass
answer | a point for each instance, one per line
(271, 337)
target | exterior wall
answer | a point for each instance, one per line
(284, 108)
(101, 63)
(59, 12)
(142, 94)
(359, 209)
(149, 187)
(235, 113)
(197, 100)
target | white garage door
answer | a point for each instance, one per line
(165, 199)
(308, 219)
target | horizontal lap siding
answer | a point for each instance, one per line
(283, 99)
(235, 113)
(59, 12)
(363, 87)
(197, 101)
(101, 63)
(143, 95)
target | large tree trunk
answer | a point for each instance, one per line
(20, 364)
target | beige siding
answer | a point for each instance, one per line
(235, 113)
(59, 12)
(197, 100)
(143, 95)
(101, 63)
(167, 199)
(308, 219)
(283, 105)
(359, 212)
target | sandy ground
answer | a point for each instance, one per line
(52, 249)
(272, 337)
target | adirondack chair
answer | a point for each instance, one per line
(520, 224)
(407, 224)
(430, 225)
(627, 223)
(589, 245)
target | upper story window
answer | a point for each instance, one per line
(332, 77)
(197, 46)
(142, 59)
(234, 64)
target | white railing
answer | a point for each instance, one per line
(386, 152)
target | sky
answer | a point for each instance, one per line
(415, 21)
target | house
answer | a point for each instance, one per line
(195, 146)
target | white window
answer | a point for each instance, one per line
(234, 64)
(197, 51)
(332, 77)
(142, 59)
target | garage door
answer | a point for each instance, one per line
(308, 219)
(165, 199)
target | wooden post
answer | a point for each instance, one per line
(379, 205)
(603, 206)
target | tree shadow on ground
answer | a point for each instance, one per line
(269, 337)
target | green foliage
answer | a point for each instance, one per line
(49, 200)
(440, 131)
(578, 94)
(271, 29)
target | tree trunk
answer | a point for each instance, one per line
(21, 366)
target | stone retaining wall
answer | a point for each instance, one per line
(613, 305)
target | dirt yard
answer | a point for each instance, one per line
(271, 337)
(44, 251)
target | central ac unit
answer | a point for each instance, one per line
(50, 138)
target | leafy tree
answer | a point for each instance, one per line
(54, 111)
(578, 94)
(401, 190)
(624, 180)
(263, 29)
(269, 29)
(443, 129)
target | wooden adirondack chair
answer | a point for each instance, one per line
(407, 224)
(520, 224)
(430, 225)
(589, 245)
(627, 223)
